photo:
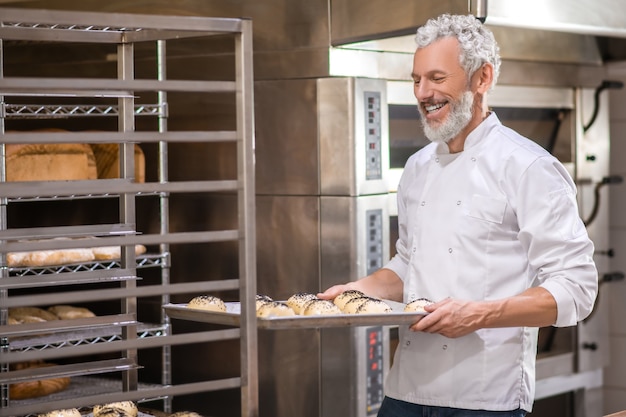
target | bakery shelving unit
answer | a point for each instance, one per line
(119, 337)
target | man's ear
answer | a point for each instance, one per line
(484, 78)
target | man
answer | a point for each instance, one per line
(489, 229)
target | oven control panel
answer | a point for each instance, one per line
(373, 136)
(374, 236)
(374, 370)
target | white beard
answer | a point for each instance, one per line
(458, 118)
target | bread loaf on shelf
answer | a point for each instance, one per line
(34, 389)
(107, 253)
(30, 315)
(108, 161)
(68, 161)
(49, 257)
(66, 312)
(50, 161)
(55, 257)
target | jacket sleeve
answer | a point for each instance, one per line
(558, 246)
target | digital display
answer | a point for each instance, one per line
(374, 371)
(373, 157)
(374, 236)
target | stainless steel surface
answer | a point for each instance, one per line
(323, 146)
(585, 381)
(553, 47)
(133, 297)
(246, 219)
(553, 43)
(111, 392)
(64, 371)
(556, 58)
(592, 165)
(552, 364)
(604, 18)
(287, 138)
(232, 317)
(309, 39)
(68, 297)
(343, 147)
(97, 326)
(85, 386)
(305, 243)
(119, 137)
(114, 28)
(120, 345)
(353, 20)
(344, 238)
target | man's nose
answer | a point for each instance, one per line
(422, 90)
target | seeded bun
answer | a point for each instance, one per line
(320, 308)
(352, 305)
(275, 309)
(341, 300)
(69, 412)
(207, 302)
(299, 301)
(262, 299)
(417, 305)
(373, 306)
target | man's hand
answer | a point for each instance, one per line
(334, 291)
(535, 307)
(451, 318)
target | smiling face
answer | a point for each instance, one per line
(449, 102)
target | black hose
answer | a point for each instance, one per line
(612, 179)
(596, 99)
(555, 131)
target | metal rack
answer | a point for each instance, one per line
(120, 333)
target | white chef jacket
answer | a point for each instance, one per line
(484, 224)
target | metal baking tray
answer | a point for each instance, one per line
(233, 314)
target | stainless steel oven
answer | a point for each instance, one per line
(322, 210)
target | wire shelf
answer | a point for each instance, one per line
(143, 261)
(47, 111)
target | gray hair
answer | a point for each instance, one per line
(477, 43)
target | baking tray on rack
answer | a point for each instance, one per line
(232, 317)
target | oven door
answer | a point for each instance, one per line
(539, 113)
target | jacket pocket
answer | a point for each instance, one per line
(488, 208)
